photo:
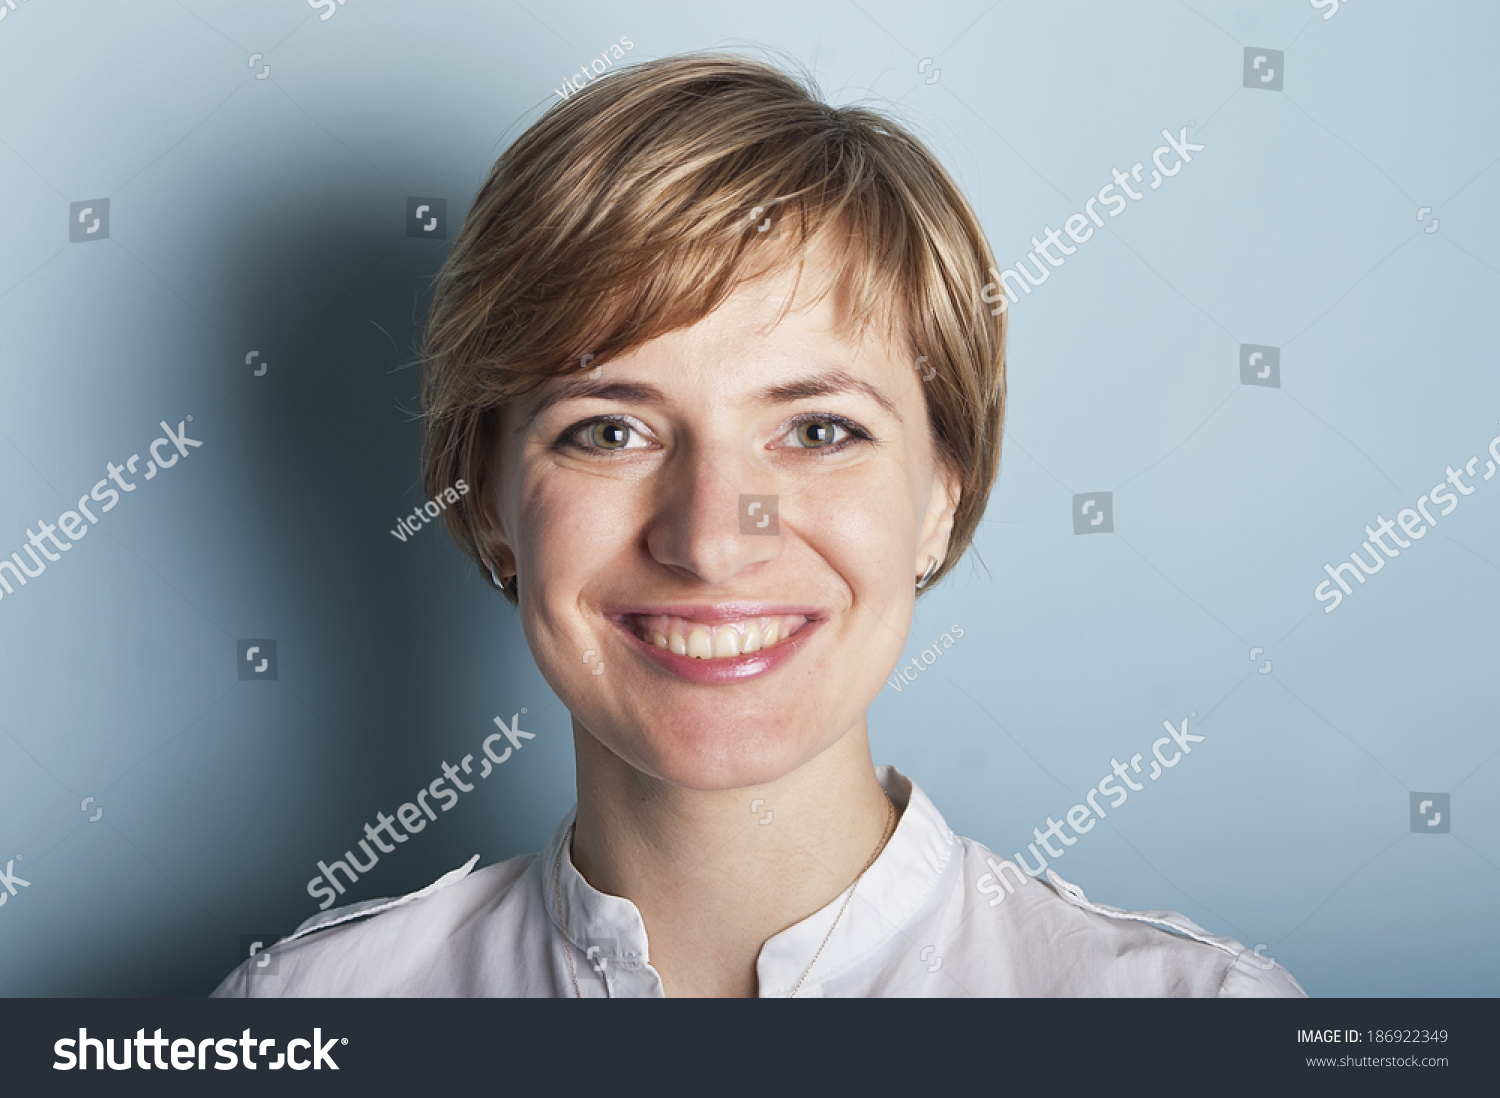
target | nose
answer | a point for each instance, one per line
(701, 528)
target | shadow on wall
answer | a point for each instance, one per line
(385, 652)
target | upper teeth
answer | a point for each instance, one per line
(706, 642)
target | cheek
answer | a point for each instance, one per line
(863, 532)
(576, 533)
(861, 523)
(571, 527)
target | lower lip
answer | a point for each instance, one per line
(726, 669)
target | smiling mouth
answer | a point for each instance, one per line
(725, 640)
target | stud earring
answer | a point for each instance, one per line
(496, 580)
(932, 566)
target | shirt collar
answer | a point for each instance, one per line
(891, 892)
(613, 924)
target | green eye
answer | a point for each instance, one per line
(609, 436)
(816, 433)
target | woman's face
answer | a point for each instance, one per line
(718, 538)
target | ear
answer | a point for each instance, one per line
(495, 551)
(937, 522)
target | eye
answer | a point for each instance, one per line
(827, 433)
(607, 433)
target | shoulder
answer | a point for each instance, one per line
(1043, 937)
(426, 943)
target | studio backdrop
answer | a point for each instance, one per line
(1243, 558)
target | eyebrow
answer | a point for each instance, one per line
(829, 383)
(633, 392)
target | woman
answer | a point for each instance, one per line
(719, 363)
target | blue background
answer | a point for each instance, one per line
(268, 215)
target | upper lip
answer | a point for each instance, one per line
(716, 613)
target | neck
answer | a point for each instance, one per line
(714, 877)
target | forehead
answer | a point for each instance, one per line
(784, 332)
(782, 312)
(781, 336)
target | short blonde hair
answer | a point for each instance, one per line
(634, 207)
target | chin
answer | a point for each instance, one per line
(717, 745)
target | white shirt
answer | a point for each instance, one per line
(925, 920)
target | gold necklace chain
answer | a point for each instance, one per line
(885, 837)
